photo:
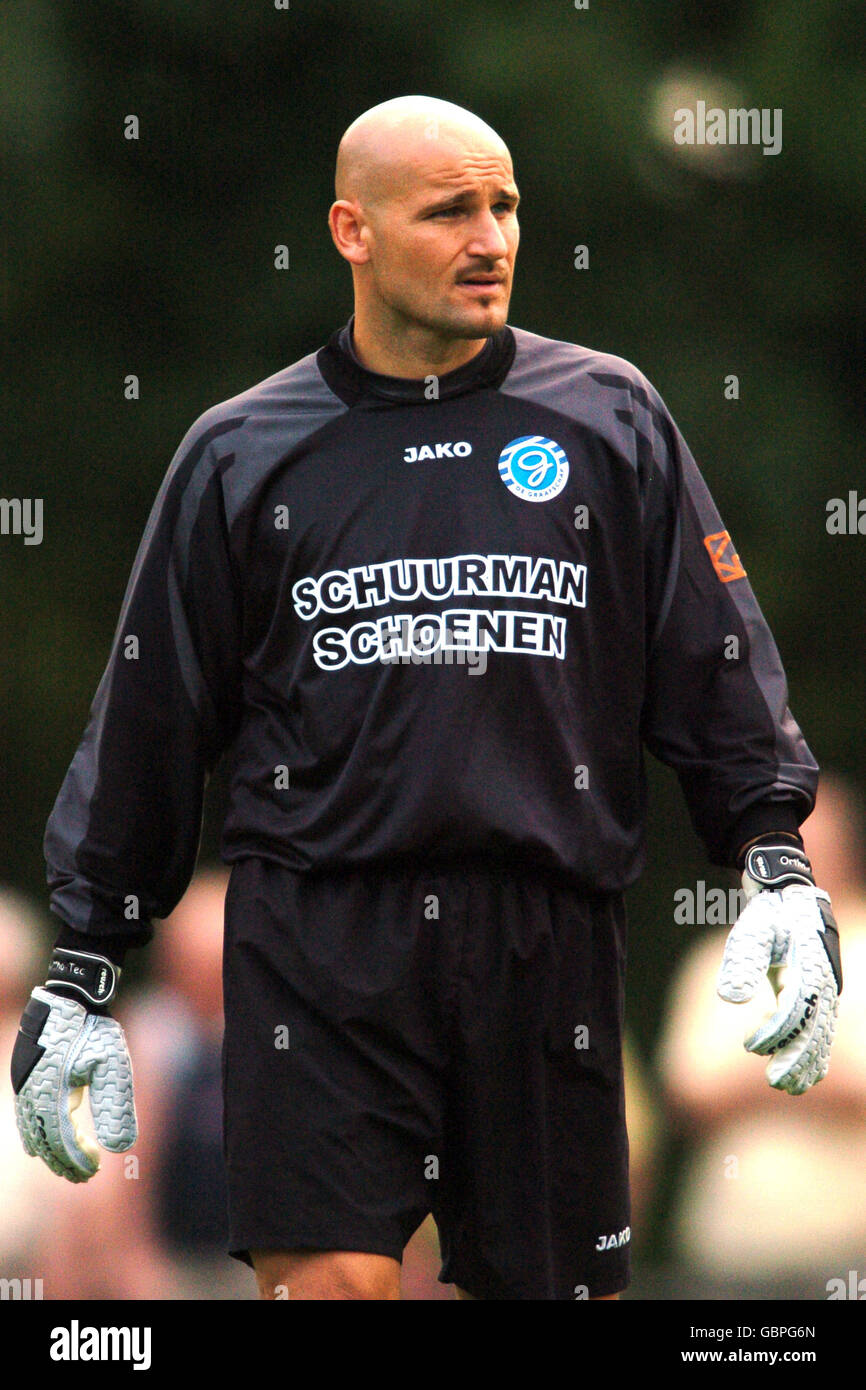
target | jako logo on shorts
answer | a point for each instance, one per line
(533, 467)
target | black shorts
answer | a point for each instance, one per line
(402, 1041)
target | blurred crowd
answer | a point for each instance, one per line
(771, 1198)
(738, 1191)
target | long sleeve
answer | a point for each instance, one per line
(122, 839)
(716, 704)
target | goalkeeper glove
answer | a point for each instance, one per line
(67, 1041)
(788, 923)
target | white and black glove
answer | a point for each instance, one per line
(788, 924)
(67, 1041)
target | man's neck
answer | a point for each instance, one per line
(417, 353)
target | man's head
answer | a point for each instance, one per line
(426, 216)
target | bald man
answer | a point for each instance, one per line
(432, 589)
(410, 173)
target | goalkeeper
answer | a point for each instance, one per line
(425, 931)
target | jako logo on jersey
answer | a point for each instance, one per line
(443, 451)
(533, 467)
(614, 1241)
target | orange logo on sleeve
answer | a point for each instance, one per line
(726, 561)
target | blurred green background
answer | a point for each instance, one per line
(155, 257)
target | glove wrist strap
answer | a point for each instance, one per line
(776, 866)
(92, 978)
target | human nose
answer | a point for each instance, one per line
(487, 238)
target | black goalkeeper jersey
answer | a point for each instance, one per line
(430, 620)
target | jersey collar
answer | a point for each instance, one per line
(352, 382)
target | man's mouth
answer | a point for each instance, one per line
(481, 281)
